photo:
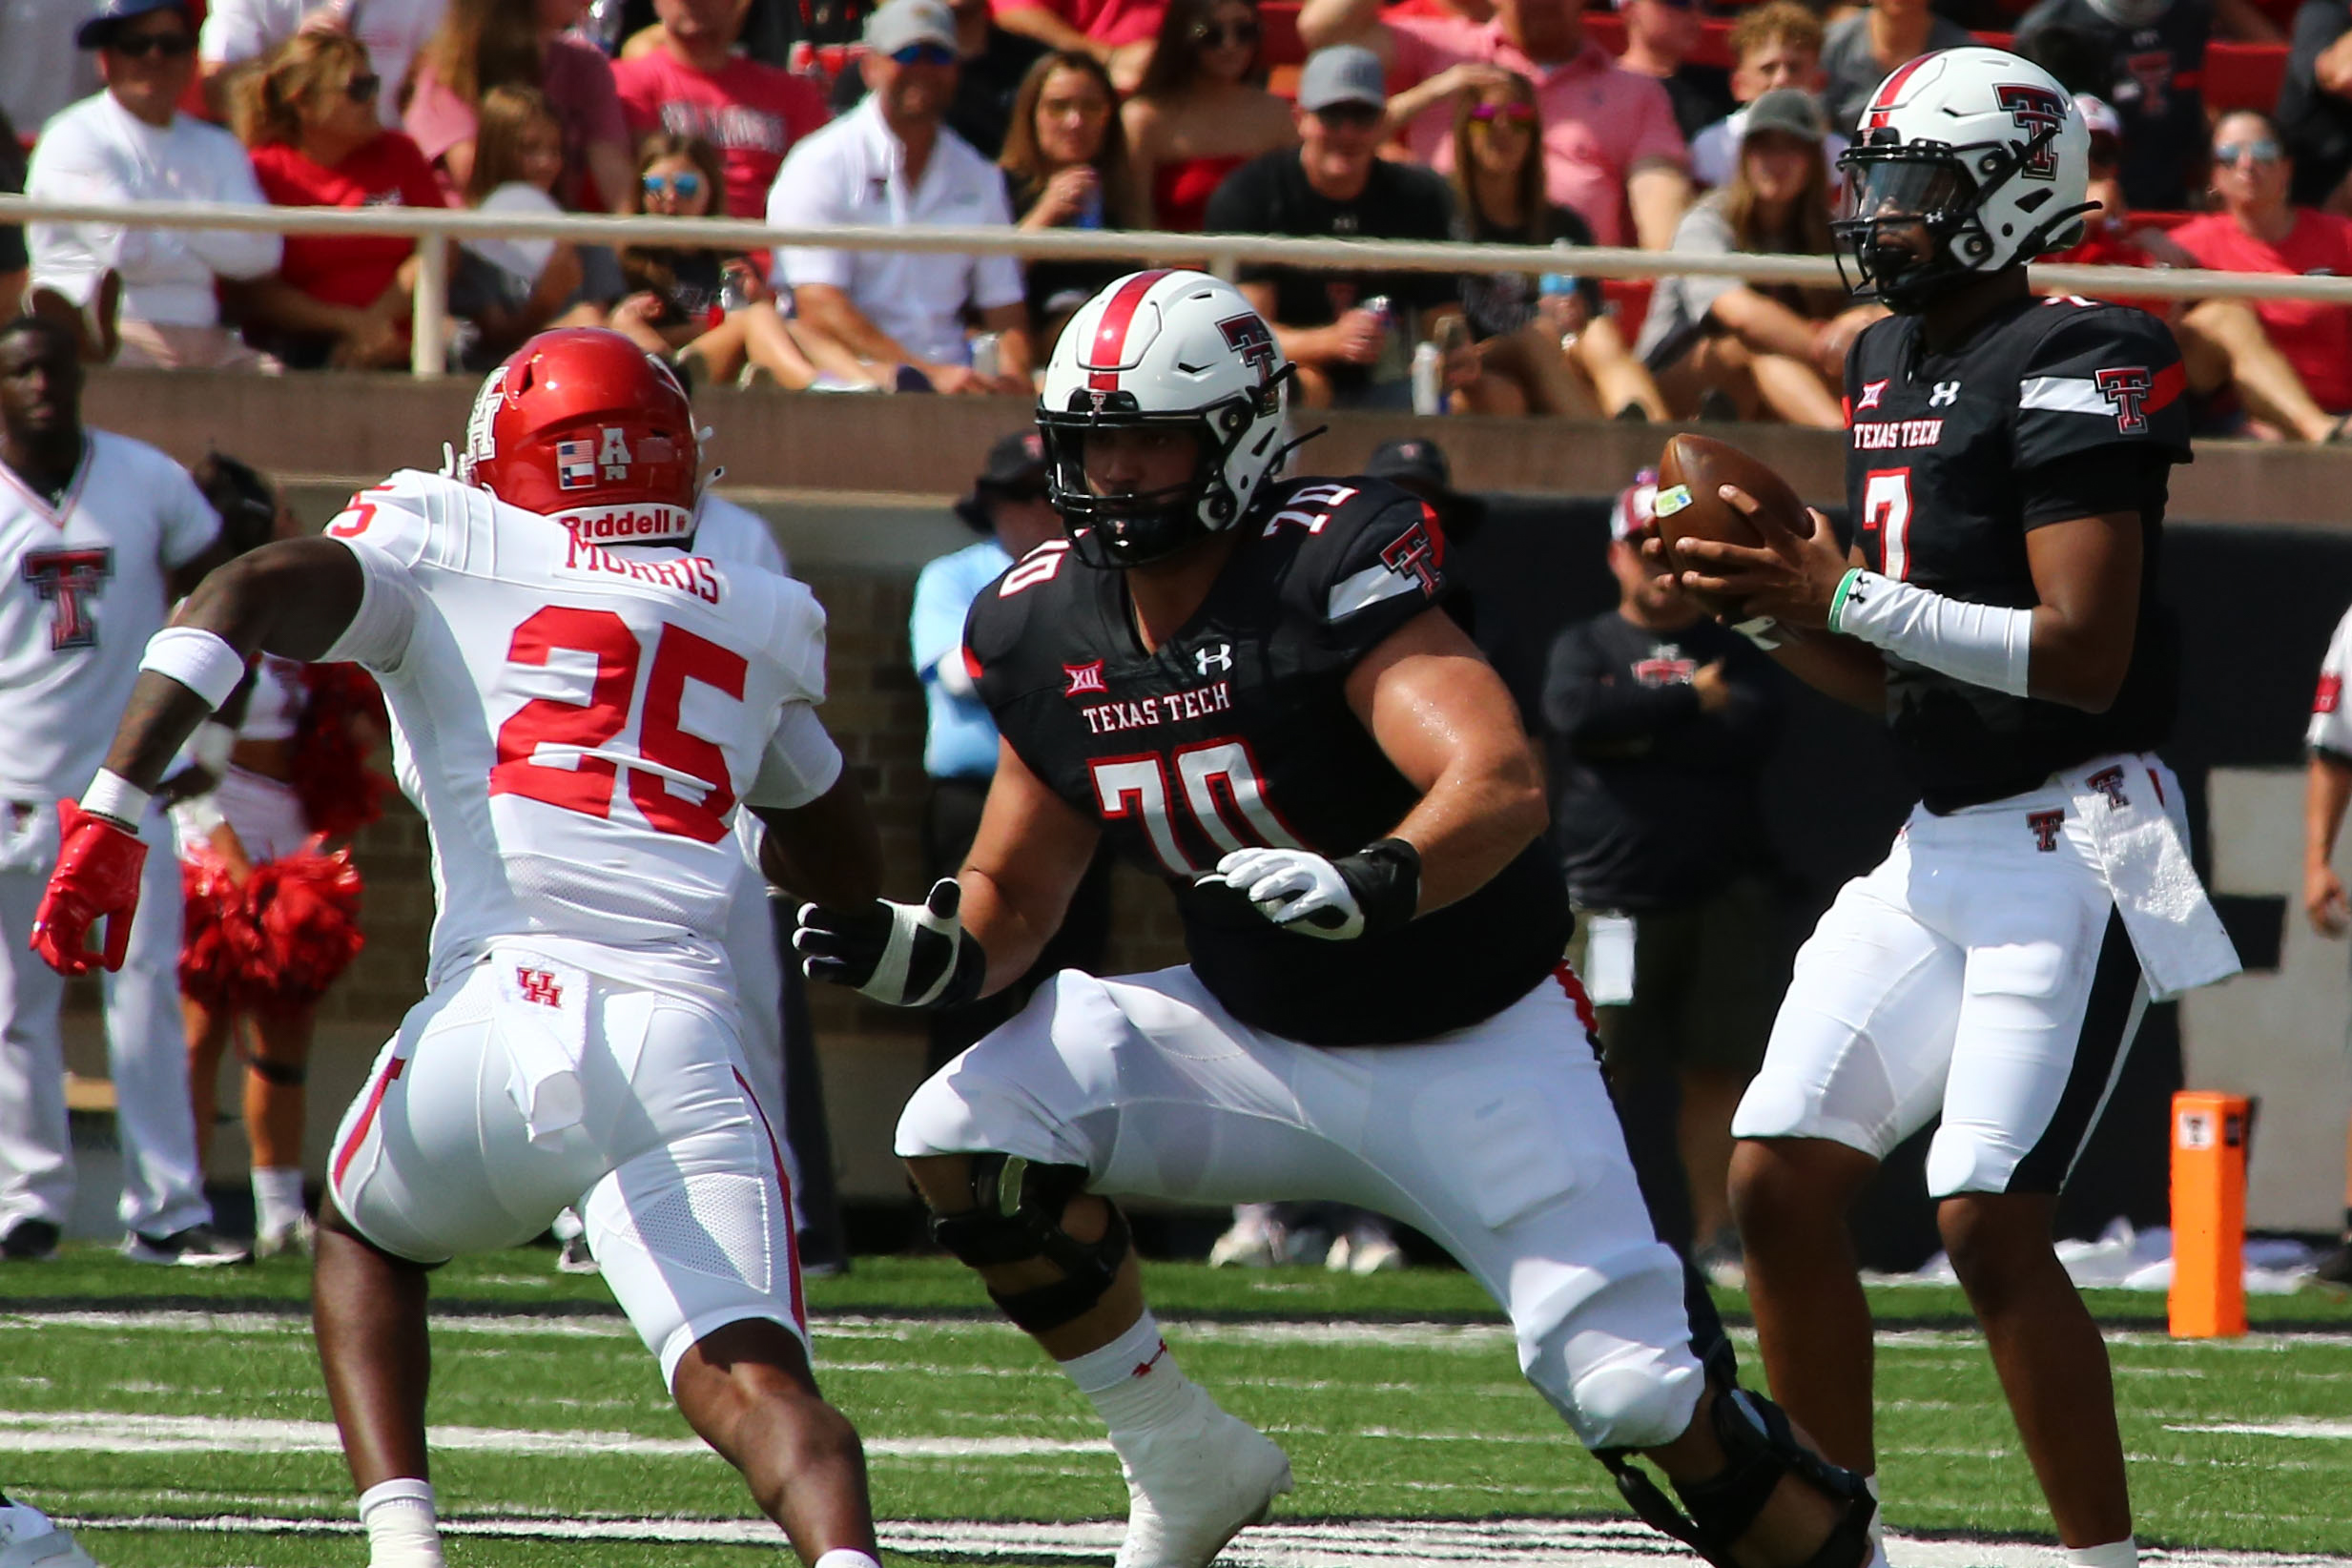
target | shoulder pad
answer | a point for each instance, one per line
(2113, 365)
(404, 517)
(795, 637)
(1001, 611)
(1358, 544)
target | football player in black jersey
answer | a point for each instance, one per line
(2006, 467)
(1249, 686)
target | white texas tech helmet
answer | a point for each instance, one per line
(1173, 349)
(1965, 161)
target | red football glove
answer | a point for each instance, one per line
(98, 878)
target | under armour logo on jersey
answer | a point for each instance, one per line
(1871, 392)
(1945, 395)
(2046, 826)
(69, 580)
(2109, 782)
(2126, 389)
(1083, 678)
(539, 986)
(1219, 658)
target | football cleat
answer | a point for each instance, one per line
(1194, 1483)
(1256, 1240)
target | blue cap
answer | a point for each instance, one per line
(112, 13)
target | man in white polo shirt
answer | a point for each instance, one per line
(893, 162)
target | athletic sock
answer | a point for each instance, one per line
(2116, 1554)
(845, 1557)
(403, 1531)
(276, 1199)
(1134, 1381)
(1878, 1518)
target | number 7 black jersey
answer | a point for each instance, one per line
(1237, 732)
(2050, 411)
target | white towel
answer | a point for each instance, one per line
(2174, 929)
(541, 1019)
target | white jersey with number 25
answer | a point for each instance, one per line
(577, 724)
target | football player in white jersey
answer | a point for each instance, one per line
(97, 534)
(578, 705)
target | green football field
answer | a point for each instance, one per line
(176, 1418)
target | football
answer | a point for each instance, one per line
(1689, 473)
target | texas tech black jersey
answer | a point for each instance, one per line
(1237, 732)
(2052, 409)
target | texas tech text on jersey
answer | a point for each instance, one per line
(1237, 732)
(2050, 410)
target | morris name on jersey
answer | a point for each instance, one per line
(2050, 410)
(1237, 732)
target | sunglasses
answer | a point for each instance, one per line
(685, 185)
(1233, 35)
(364, 88)
(1358, 116)
(929, 54)
(171, 46)
(1512, 113)
(2264, 151)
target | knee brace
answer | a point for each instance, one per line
(286, 1075)
(1016, 1216)
(1761, 1448)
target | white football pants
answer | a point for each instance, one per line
(1496, 1141)
(146, 1047)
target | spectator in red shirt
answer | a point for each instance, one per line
(2257, 230)
(692, 83)
(483, 44)
(1610, 142)
(1202, 111)
(1117, 32)
(309, 118)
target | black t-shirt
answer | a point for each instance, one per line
(2052, 409)
(1700, 95)
(1046, 280)
(1269, 195)
(986, 84)
(2152, 84)
(689, 283)
(1237, 732)
(2315, 123)
(1654, 801)
(1498, 302)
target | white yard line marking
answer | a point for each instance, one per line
(2291, 1426)
(1341, 1544)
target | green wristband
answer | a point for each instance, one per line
(1837, 600)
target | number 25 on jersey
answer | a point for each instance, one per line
(535, 744)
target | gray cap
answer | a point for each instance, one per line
(901, 23)
(1342, 74)
(1790, 110)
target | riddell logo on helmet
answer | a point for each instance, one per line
(628, 524)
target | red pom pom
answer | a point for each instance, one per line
(339, 792)
(304, 909)
(219, 940)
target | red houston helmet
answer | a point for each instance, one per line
(585, 426)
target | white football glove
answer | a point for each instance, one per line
(1294, 888)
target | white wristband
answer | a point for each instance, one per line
(1983, 645)
(202, 661)
(199, 816)
(117, 798)
(210, 746)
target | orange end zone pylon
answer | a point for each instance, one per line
(2209, 1214)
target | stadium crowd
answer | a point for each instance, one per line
(2222, 138)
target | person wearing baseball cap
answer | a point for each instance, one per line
(1661, 721)
(129, 143)
(1351, 336)
(893, 162)
(1007, 506)
(1763, 351)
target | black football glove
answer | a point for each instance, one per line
(902, 955)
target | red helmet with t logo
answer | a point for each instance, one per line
(583, 426)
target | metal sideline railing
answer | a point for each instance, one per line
(1222, 254)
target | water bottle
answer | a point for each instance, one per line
(1553, 283)
(1428, 387)
(1090, 215)
(984, 354)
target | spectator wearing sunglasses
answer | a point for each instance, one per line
(1659, 36)
(1203, 110)
(892, 161)
(2257, 229)
(692, 83)
(1065, 166)
(308, 116)
(1117, 32)
(1350, 335)
(238, 35)
(1611, 148)
(131, 143)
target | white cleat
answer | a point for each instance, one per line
(28, 1541)
(1195, 1484)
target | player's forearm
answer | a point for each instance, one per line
(1325, 22)
(827, 851)
(1474, 823)
(2327, 788)
(1010, 937)
(829, 311)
